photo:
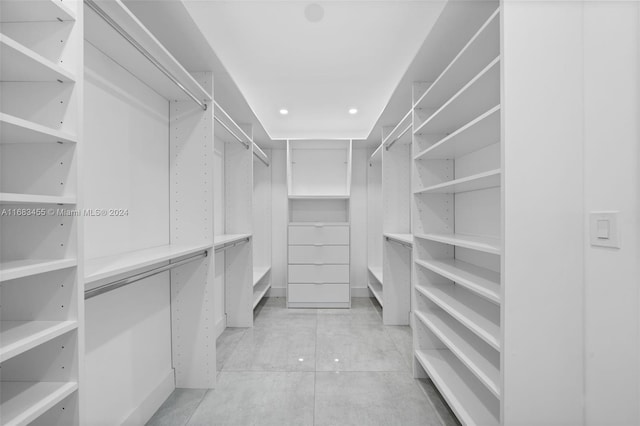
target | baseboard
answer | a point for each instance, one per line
(152, 402)
(360, 292)
(220, 326)
(282, 292)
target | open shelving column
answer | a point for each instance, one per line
(261, 208)
(41, 329)
(374, 225)
(456, 225)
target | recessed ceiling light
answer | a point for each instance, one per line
(353, 111)
(284, 111)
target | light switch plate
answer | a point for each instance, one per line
(603, 229)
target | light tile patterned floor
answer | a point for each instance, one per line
(311, 367)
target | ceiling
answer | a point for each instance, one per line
(316, 59)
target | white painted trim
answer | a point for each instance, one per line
(152, 402)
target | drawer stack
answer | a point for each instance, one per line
(318, 266)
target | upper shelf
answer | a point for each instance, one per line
(401, 133)
(19, 63)
(26, 11)
(480, 243)
(17, 130)
(156, 67)
(484, 180)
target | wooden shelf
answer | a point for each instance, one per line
(481, 281)
(469, 400)
(480, 94)
(376, 271)
(259, 292)
(101, 35)
(484, 244)
(377, 290)
(406, 239)
(320, 197)
(17, 130)
(220, 240)
(478, 315)
(24, 402)
(123, 263)
(19, 63)
(483, 47)
(259, 272)
(26, 11)
(13, 269)
(485, 180)
(402, 131)
(479, 133)
(11, 198)
(481, 360)
(17, 337)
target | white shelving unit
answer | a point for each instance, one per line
(262, 225)
(319, 188)
(457, 248)
(41, 327)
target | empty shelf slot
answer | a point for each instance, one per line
(485, 180)
(12, 269)
(17, 130)
(376, 289)
(17, 337)
(259, 272)
(259, 292)
(484, 244)
(19, 63)
(24, 402)
(376, 271)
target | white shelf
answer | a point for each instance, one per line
(481, 360)
(19, 63)
(24, 402)
(27, 11)
(17, 337)
(13, 269)
(376, 271)
(11, 198)
(484, 244)
(220, 240)
(377, 291)
(478, 315)
(111, 43)
(479, 133)
(17, 130)
(469, 400)
(122, 263)
(483, 282)
(259, 292)
(320, 197)
(485, 180)
(400, 238)
(259, 273)
(481, 93)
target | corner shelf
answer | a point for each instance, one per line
(468, 399)
(485, 180)
(122, 263)
(24, 402)
(485, 244)
(24, 11)
(17, 130)
(482, 320)
(19, 63)
(11, 198)
(13, 269)
(20, 336)
(481, 281)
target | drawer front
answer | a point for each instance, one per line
(337, 255)
(318, 293)
(318, 273)
(326, 235)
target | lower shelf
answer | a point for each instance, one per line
(376, 271)
(468, 398)
(376, 289)
(23, 402)
(17, 337)
(259, 272)
(259, 291)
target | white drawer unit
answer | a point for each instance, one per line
(319, 295)
(318, 234)
(319, 255)
(318, 274)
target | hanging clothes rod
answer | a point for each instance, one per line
(223, 124)
(88, 294)
(247, 144)
(232, 244)
(92, 4)
(260, 155)
(405, 245)
(390, 144)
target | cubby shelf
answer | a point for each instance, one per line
(221, 240)
(467, 397)
(376, 271)
(259, 272)
(24, 402)
(484, 180)
(406, 239)
(480, 132)
(19, 63)
(17, 337)
(483, 282)
(122, 263)
(11, 198)
(481, 93)
(377, 290)
(483, 319)
(485, 244)
(18, 130)
(26, 11)
(13, 269)
(481, 360)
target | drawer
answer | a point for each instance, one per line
(318, 273)
(338, 255)
(319, 234)
(318, 293)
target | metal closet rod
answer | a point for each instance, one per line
(92, 4)
(88, 294)
(233, 244)
(265, 162)
(398, 137)
(246, 145)
(405, 245)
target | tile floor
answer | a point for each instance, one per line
(311, 367)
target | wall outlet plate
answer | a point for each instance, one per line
(603, 229)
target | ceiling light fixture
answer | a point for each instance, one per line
(353, 111)
(284, 111)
